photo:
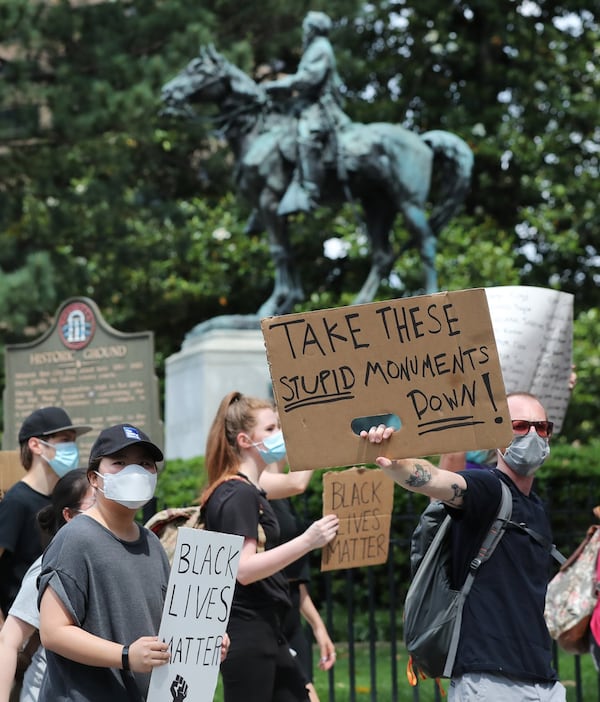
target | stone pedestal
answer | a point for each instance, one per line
(198, 377)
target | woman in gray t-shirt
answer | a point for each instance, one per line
(103, 582)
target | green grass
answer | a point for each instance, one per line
(426, 687)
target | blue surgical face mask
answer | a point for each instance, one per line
(66, 457)
(481, 457)
(274, 448)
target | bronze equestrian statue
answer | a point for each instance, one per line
(288, 160)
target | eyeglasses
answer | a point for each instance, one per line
(523, 426)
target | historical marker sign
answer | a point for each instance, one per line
(101, 376)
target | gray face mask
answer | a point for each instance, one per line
(526, 453)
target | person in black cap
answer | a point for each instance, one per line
(103, 583)
(47, 439)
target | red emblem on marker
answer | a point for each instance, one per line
(76, 325)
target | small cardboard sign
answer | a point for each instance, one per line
(195, 614)
(11, 470)
(431, 361)
(534, 335)
(363, 500)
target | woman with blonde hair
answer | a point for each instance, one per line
(244, 438)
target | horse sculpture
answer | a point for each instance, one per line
(384, 167)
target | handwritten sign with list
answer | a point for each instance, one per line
(534, 335)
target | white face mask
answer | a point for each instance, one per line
(131, 487)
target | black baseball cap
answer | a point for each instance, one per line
(49, 420)
(121, 436)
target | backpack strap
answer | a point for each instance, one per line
(541, 540)
(491, 540)
(133, 691)
(495, 533)
(223, 479)
(261, 538)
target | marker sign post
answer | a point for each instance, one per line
(363, 500)
(195, 615)
(430, 360)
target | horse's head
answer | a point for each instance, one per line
(207, 78)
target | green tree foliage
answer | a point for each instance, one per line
(518, 81)
(101, 195)
(124, 213)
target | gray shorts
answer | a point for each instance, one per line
(485, 687)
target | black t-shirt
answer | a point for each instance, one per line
(238, 507)
(503, 628)
(290, 526)
(19, 536)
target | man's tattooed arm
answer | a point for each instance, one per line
(419, 475)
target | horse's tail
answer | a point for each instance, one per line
(456, 159)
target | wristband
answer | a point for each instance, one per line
(125, 658)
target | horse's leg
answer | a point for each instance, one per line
(417, 224)
(287, 289)
(379, 218)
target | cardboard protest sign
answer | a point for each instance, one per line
(534, 335)
(428, 364)
(195, 615)
(11, 470)
(363, 500)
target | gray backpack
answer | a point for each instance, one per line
(432, 609)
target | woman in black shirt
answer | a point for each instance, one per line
(245, 436)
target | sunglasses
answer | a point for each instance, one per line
(523, 426)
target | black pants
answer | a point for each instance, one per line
(293, 631)
(259, 666)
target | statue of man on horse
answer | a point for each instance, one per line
(317, 99)
(286, 160)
